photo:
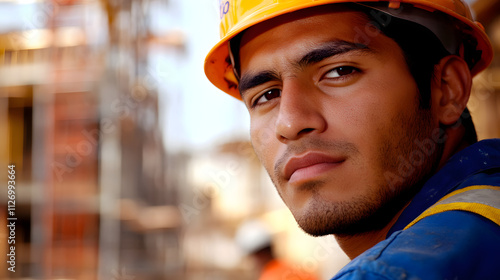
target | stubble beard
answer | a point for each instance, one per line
(375, 210)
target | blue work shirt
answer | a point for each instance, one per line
(450, 245)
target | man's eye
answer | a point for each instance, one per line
(268, 95)
(340, 71)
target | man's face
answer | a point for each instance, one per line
(334, 119)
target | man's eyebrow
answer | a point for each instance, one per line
(326, 50)
(250, 80)
(330, 49)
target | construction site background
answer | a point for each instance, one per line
(124, 162)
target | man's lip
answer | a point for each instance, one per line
(307, 160)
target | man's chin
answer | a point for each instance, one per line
(325, 222)
(359, 216)
(320, 218)
(315, 231)
(317, 228)
(342, 228)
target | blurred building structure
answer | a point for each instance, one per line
(98, 193)
(94, 197)
(49, 72)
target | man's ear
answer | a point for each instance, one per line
(451, 88)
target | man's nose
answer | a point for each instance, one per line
(300, 112)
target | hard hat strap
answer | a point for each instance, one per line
(233, 46)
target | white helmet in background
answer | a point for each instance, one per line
(253, 236)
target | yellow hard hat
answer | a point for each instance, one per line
(238, 15)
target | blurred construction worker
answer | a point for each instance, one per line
(358, 113)
(255, 239)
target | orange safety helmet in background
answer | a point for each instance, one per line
(238, 15)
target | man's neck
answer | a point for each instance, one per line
(355, 245)
(455, 142)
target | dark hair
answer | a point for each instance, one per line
(422, 51)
